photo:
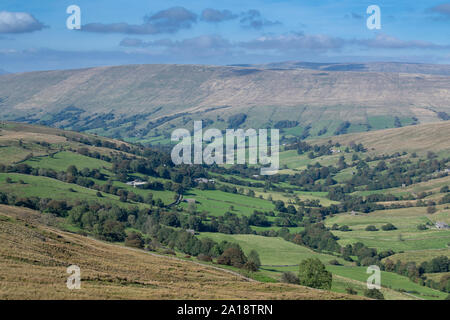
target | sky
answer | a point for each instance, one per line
(34, 34)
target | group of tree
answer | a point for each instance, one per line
(312, 273)
(417, 273)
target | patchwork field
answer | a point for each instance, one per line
(218, 202)
(305, 189)
(272, 251)
(406, 238)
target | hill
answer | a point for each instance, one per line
(19, 140)
(420, 138)
(370, 67)
(34, 258)
(145, 102)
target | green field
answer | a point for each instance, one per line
(44, 187)
(389, 280)
(420, 256)
(275, 253)
(218, 202)
(406, 237)
(272, 251)
(61, 160)
(12, 154)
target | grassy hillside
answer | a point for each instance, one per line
(279, 256)
(272, 251)
(34, 258)
(20, 141)
(145, 102)
(406, 238)
(420, 138)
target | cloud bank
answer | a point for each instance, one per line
(175, 19)
(170, 20)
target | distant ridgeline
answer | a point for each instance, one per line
(304, 100)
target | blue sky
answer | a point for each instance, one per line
(33, 33)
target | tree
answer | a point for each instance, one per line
(312, 273)
(334, 262)
(371, 228)
(149, 198)
(351, 291)
(134, 240)
(58, 207)
(250, 266)
(123, 197)
(72, 170)
(431, 209)
(233, 257)
(112, 231)
(253, 257)
(388, 227)
(289, 277)
(374, 294)
(204, 257)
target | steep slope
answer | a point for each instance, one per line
(137, 100)
(34, 258)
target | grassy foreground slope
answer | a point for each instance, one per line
(34, 258)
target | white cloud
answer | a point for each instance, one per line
(18, 22)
